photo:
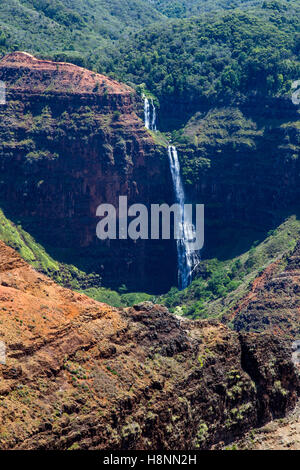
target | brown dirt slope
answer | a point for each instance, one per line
(82, 375)
(281, 434)
(44, 75)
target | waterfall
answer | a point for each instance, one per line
(296, 93)
(150, 114)
(147, 112)
(186, 256)
(153, 116)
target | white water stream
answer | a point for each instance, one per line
(186, 256)
(150, 114)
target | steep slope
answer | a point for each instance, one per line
(274, 301)
(22, 71)
(70, 141)
(219, 58)
(70, 25)
(186, 8)
(221, 286)
(243, 164)
(281, 434)
(82, 375)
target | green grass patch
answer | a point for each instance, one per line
(223, 283)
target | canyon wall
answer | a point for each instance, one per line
(273, 301)
(71, 140)
(242, 162)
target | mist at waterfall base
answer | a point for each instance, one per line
(187, 257)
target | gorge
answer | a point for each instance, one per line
(95, 148)
(187, 257)
(141, 342)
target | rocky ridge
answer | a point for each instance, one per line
(273, 303)
(70, 140)
(82, 375)
(21, 71)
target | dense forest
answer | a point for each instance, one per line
(215, 57)
(186, 8)
(212, 53)
(71, 26)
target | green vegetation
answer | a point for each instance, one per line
(116, 299)
(69, 26)
(186, 8)
(36, 255)
(220, 127)
(211, 140)
(223, 283)
(202, 434)
(216, 58)
(70, 29)
(14, 236)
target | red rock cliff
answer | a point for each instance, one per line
(82, 375)
(70, 140)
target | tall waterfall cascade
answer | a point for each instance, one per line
(186, 256)
(153, 116)
(296, 93)
(150, 114)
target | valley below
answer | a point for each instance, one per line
(145, 344)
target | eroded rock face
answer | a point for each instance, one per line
(80, 374)
(273, 303)
(244, 165)
(70, 139)
(24, 72)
